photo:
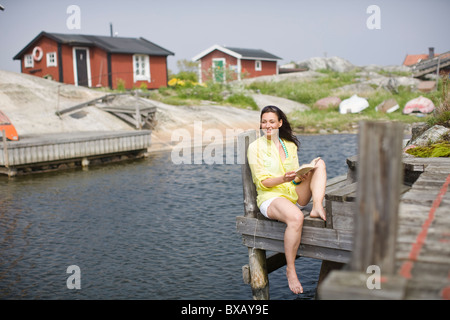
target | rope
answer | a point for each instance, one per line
(254, 238)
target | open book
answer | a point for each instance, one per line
(305, 168)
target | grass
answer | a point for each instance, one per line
(187, 92)
(330, 120)
(191, 93)
(307, 92)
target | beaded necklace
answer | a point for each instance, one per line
(284, 147)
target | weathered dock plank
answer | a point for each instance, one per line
(269, 229)
(422, 255)
(32, 151)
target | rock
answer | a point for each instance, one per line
(388, 69)
(430, 136)
(426, 86)
(285, 105)
(417, 129)
(388, 106)
(331, 63)
(328, 102)
(382, 81)
(303, 76)
(407, 81)
(31, 104)
(360, 89)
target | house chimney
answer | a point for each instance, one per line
(430, 52)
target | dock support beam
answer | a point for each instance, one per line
(380, 178)
(259, 276)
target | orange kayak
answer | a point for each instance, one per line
(7, 126)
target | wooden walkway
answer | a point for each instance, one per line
(401, 250)
(138, 117)
(422, 248)
(49, 152)
(423, 241)
(134, 115)
(431, 65)
(415, 241)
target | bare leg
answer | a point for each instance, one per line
(314, 186)
(283, 210)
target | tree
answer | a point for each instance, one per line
(187, 70)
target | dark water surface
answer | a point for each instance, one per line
(146, 229)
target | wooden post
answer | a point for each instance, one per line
(5, 149)
(250, 207)
(379, 178)
(259, 278)
(379, 182)
(138, 117)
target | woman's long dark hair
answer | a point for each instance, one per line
(285, 131)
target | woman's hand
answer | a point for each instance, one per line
(272, 182)
(289, 176)
(303, 176)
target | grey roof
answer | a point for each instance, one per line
(109, 44)
(254, 53)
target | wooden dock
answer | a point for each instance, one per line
(330, 241)
(404, 228)
(49, 152)
(136, 116)
(422, 252)
(431, 65)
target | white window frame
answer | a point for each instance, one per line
(28, 61)
(143, 72)
(258, 65)
(51, 56)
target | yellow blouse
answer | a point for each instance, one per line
(265, 162)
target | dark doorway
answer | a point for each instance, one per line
(82, 71)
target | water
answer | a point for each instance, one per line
(145, 229)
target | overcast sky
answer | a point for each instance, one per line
(294, 30)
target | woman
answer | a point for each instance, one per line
(273, 161)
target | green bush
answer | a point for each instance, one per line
(121, 85)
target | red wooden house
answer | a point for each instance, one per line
(95, 61)
(219, 63)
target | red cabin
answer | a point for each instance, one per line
(220, 63)
(96, 61)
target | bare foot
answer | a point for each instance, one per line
(318, 212)
(294, 283)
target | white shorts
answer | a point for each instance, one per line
(265, 206)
